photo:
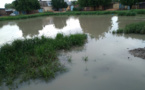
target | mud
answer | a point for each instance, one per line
(139, 52)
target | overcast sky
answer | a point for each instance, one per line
(3, 2)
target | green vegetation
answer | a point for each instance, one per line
(127, 14)
(69, 59)
(85, 58)
(9, 6)
(26, 5)
(137, 28)
(94, 3)
(35, 58)
(120, 13)
(130, 2)
(57, 4)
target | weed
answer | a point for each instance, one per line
(137, 28)
(35, 58)
(69, 59)
(85, 58)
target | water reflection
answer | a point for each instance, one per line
(60, 22)
(95, 26)
(115, 24)
(48, 26)
(9, 33)
(70, 28)
(108, 66)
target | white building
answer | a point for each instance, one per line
(46, 4)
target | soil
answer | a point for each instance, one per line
(140, 52)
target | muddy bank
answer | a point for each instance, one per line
(140, 52)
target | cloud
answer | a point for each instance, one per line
(2, 4)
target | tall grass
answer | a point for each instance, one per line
(137, 28)
(35, 58)
(120, 13)
(126, 13)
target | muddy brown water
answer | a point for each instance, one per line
(109, 65)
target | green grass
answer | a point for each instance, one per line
(129, 13)
(35, 58)
(119, 12)
(135, 28)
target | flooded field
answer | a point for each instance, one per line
(109, 65)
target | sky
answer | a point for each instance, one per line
(3, 2)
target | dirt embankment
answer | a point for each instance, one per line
(140, 52)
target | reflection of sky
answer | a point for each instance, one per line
(72, 27)
(108, 66)
(9, 33)
(115, 24)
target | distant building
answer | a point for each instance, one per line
(142, 5)
(46, 5)
(2, 12)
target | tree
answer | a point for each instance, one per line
(129, 2)
(104, 3)
(26, 5)
(93, 3)
(9, 6)
(84, 3)
(57, 4)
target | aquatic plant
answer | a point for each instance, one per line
(85, 58)
(35, 58)
(137, 28)
(69, 59)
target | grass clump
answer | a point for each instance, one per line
(35, 58)
(135, 28)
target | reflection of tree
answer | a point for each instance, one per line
(60, 22)
(96, 26)
(30, 27)
(123, 21)
(2, 24)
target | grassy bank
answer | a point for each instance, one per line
(35, 58)
(120, 13)
(137, 28)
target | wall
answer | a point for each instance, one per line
(46, 9)
(116, 6)
(2, 12)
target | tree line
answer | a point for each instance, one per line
(29, 5)
(96, 3)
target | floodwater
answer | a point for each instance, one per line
(109, 65)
